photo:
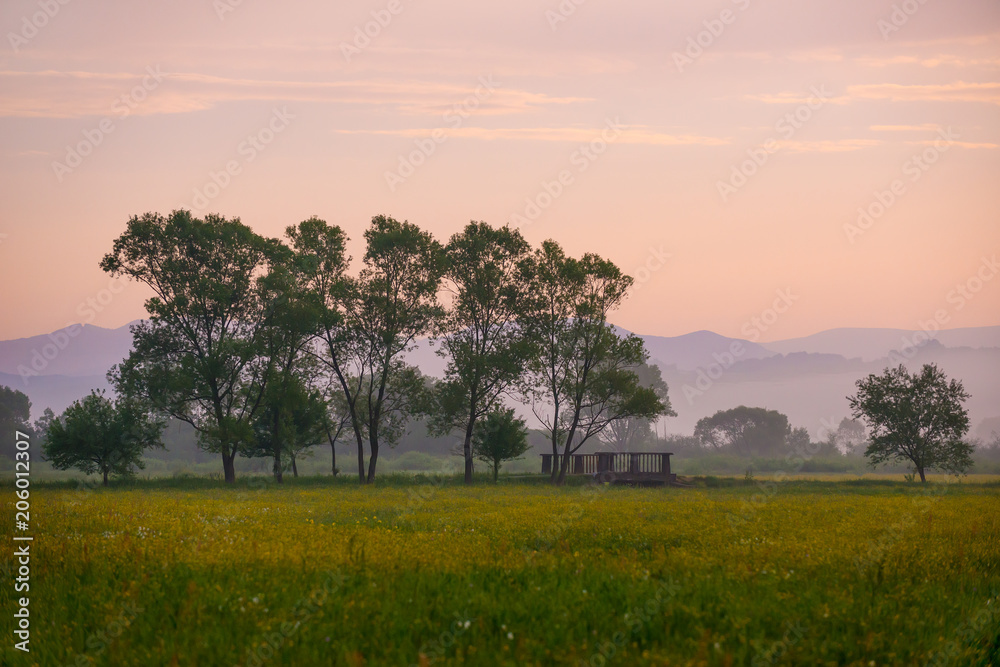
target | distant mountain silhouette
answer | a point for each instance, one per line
(805, 378)
(871, 344)
(74, 351)
(700, 348)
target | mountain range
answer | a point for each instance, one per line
(806, 378)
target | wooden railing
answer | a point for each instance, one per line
(626, 464)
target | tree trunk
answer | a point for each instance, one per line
(295, 469)
(496, 471)
(920, 469)
(467, 450)
(333, 451)
(372, 460)
(361, 461)
(105, 477)
(228, 467)
(555, 460)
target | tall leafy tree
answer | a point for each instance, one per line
(917, 418)
(199, 355)
(289, 412)
(321, 255)
(487, 277)
(580, 378)
(97, 435)
(368, 322)
(395, 303)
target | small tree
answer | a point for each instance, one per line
(916, 417)
(96, 435)
(499, 437)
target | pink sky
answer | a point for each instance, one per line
(517, 92)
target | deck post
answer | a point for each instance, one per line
(546, 464)
(633, 463)
(665, 467)
(604, 461)
(578, 464)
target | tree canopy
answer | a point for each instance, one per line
(918, 418)
(746, 431)
(499, 437)
(198, 356)
(487, 277)
(579, 375)
(98, 435)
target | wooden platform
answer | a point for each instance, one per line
(638, 468)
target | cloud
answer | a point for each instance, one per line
(960, 91)
(926, 127)
(75, 94)
(945, 59)
(631, 134)
(828, 145)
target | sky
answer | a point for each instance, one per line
(763, 168)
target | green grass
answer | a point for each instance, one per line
(184, 570)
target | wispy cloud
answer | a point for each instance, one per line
(828, 145)
(73, 94)
(940, 60)
(959, 91)
(926, 127)
(634, 134)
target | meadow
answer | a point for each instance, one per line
(422, 570)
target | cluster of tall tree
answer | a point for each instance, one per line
(266, 346)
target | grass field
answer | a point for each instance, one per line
(423, 571)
